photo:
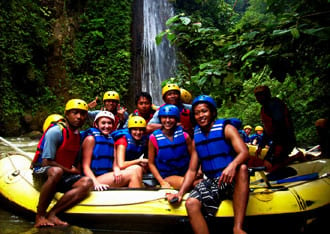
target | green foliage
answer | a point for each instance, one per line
(284, 44)
(24, 27)
(96, 56)
(99, 58)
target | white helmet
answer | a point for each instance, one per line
(106, 114)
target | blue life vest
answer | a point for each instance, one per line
(244, 136)
(214, 152)
(134, 148)
(173, 156)
(258, 137)
(103, 152)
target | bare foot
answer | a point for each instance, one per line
(42, 221)
(238, 231)
(56, 221)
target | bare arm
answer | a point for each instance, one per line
(87, 154)
(232, 135)
(53, 163)
(120, 158)
(93, 103)
(151, 127)
(189, 176)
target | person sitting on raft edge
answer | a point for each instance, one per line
(222, 154)
(54, 167)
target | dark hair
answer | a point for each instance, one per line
(212, 109)
(143, 94)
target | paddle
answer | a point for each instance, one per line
(310, 176)
(15, 148)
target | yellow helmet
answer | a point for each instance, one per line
(185, 96)
(51, 119)
(111, 95)
(247, 126)
(76, 104)
(259, 128)
(170, 87)
(136, 122)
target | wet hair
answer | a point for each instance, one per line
(143, 94)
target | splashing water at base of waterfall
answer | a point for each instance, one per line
(159, 62)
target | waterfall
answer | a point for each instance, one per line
(159, 62)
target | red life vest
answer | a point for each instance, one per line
(136, 112)
(267, 120)
(185, 120)
(66, 153)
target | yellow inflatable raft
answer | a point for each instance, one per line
(297, 196)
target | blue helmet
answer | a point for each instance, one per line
(169, 110)
(204, 98)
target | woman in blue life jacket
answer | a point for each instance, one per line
(169, 149)
(222, 153)
(98, 156)
(131, 144)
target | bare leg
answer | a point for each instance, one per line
(196, 218)
(47, 193)
(240, 198)
(131, 177)
(79, 191)
(175, 181)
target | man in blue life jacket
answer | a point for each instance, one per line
(222, 153)
(171, 95)
(55, 166)
(257, 137)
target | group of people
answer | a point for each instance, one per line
(185, 146)
(255, 138)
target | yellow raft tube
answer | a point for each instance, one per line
(298, 197)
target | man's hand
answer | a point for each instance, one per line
(121, 112)
(117, 174)
(228, 174)
(74, 170)
(173, 198)
(93, 103)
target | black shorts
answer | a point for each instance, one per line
(65, 184)
(210, 194)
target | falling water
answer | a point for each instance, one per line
(159, 62)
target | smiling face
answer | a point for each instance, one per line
(110, 105)
(137, 133)
(172, 97)
(247, 131)
(168, 122)
(203, 115)
(105, 125)
(76, 118)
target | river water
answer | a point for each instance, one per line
(12, 223)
